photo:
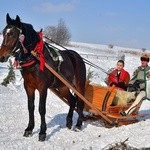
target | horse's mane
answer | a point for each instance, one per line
(30, 35)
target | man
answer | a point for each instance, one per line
(139, 82)
(119, 77)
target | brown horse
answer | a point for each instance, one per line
(19, 39)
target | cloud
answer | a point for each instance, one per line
(55, 8)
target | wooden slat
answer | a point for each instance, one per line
(96, 95)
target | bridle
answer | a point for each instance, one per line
(15, 47)
(18, 49)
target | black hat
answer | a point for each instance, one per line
(145, 57)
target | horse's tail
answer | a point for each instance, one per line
(80, 70)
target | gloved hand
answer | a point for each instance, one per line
(138, 82)
(135, 86)
(121, 85)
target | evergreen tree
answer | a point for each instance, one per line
(11, 75)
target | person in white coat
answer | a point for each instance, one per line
(139, 82)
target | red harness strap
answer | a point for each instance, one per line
(16, 63)
(28, 63)
(39, 50)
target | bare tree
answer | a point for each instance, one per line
(110, 45)
(50, 32)
(143, 49)
(59, 34)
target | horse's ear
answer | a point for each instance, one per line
(18, 19)
(8, 19)
(18, 22)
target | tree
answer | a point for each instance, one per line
(11, 75)
(110, 45)
(90, 74)
(143, 49)
(59, 34)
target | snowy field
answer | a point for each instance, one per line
(93, 136)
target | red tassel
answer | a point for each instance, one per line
(39, 50)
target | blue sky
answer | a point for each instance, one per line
(123, 23)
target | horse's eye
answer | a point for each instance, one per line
(8, 34)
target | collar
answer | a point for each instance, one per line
(29, 60)
(28, 63)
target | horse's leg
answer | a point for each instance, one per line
(72, 103)
(80, 104)
(42, 111)
(80, 107)
(31, 96)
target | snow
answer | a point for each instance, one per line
(93, 136)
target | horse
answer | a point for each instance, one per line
(19, 39)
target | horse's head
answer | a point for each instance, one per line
(10, 37)
(18, 37)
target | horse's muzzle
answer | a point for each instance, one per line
(3, 59)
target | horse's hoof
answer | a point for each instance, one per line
(69, 125)
(42, 137)
(27, 133)
(78, 127)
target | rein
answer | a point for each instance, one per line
(85, 60)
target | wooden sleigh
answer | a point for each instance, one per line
(102, 98)
(98, 101)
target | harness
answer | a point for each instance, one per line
(28, 59)
(24, 58)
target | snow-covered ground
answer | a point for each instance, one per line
(93, 136)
